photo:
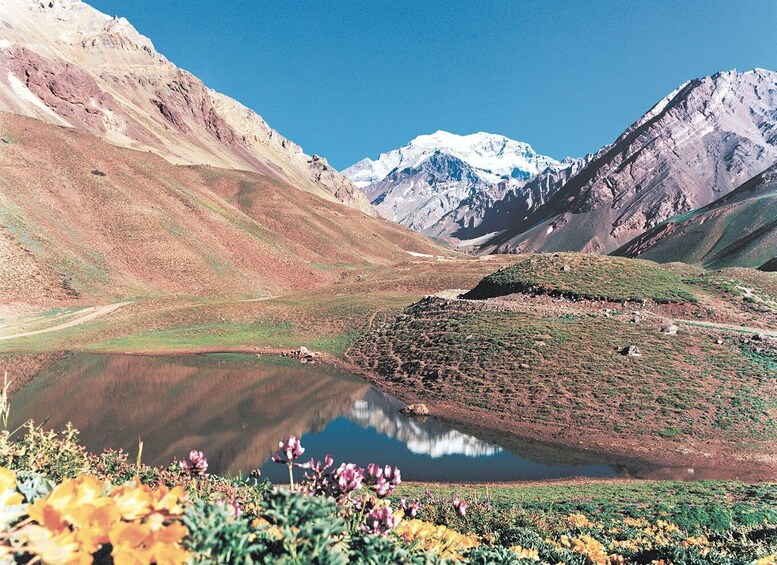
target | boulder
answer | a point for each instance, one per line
(669, 328)
(631, 351)
(415, 410)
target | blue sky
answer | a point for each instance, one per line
(351, 79)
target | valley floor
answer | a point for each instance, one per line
(634, 418)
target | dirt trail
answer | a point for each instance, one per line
(83, 316)
(744, 329)
(716, 326)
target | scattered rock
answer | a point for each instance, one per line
(566, 268)
(758, 337)
(303, 354)
(98, 173)
(669, 328)
(719, 341)
(631, 351)
(415, 410)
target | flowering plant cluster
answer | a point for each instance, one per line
(60, 505)
(196, 464)
(84, 517)
(360, 492)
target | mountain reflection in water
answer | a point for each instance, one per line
(235, 408)
(423, 436)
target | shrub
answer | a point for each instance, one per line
(55, 455)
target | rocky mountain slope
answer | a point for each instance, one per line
(739, 229)
(485, 214)
(68, 64)
(419, 183)
(82, 218)
(696, 145)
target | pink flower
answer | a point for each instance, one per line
(379, 521)
(383, 480)
(196, 464)
(349, 477)
(410, 508)
(291, 448)
(460, 506)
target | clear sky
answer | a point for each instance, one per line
(349, 79)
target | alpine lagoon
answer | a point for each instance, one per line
(219, 348)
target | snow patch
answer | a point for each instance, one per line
(414, 254)
(478, 240)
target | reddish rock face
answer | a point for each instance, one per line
(69, 91)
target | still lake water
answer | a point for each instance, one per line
(235, 408)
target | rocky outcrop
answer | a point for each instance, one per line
(415, 410)
(66, 63)
(342, 188)
(693, 147)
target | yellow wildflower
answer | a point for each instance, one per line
(579, 521)
(134, 501)
(54, 549)
(591, 548)
(525, 553)
(7, 479)
(439, 539)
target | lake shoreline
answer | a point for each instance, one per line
(661, 459)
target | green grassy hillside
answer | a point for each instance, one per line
(579, 275)
(740, 230)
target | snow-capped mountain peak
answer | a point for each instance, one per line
(417, 184)
(494, 157)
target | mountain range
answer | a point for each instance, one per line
(697, 144)
(68, 64)
(124, 175)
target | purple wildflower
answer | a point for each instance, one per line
(349, 477)
(410, 508)
(196, 464)
(379, 521)
(291, 448)
(460, 506)
(383, 480)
